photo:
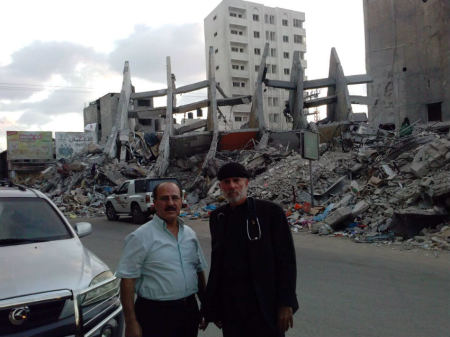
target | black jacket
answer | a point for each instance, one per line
(271, 261)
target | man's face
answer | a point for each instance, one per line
(168, 202)
(234, 189)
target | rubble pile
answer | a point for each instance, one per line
(395, 190)
(384, 189)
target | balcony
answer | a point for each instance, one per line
(238, 38)
(300, 31)
(240, 91)
(237, 21)
(239, 56)
(240, 73)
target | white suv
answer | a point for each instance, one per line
(50, 285)
(135, 198)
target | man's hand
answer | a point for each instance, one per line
(285, 319)
(203, 324)
(133, 329)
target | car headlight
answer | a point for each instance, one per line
(103, 286)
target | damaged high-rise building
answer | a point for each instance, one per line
(238, 31)
(408, 56)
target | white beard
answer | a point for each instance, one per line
(236, 197)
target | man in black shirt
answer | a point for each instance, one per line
(251, 286)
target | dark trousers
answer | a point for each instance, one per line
(179, 318)
(248, 324)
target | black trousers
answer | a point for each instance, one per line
(247, 321)
(179, 318)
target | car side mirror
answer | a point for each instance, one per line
(83, 229)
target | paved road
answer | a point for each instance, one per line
(345, 289)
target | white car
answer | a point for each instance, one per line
(50, 284)
(135, 198)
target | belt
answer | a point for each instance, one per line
(181, 301)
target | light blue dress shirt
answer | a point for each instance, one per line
(165, 267)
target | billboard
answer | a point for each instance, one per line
(26, 145)
(69, 144)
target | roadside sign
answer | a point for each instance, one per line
(310, 145)
(29, 145)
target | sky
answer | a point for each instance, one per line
(59, 55)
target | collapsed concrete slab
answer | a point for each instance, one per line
(409, 222)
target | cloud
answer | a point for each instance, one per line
(34, 65)
(29, 97)
(146, 50)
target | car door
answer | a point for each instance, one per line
(121, 198)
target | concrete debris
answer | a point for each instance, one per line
(385, 189)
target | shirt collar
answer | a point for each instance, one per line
(163, 224)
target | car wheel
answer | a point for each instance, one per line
(111, 212)
(138, 216)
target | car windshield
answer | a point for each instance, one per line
(27, 220)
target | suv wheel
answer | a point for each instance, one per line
(138, 216)
(111, 212)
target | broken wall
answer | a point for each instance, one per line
(103, 112)
(407, 55)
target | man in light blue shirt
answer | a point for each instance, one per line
(163, 264)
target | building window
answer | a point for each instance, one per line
(274, 118)
(284, 22)
(268, 71)
(286, 55)
(266, 18)
(257, 51)
(269, 19)
(285, 38)
(242, 68)
(237, 118)
(256, 35)
(216, 51)
(235, 66)
(215, 34)
(273, 52)
(286, 71)
(274, 68)
(143, 102)
(243, 84)
(217, 67)
(298, 23)
(270, 36)
(241, 50)
(302, 55)
(256, 68)
(234, 32)
(234, 15)
(215, 17)
(234, 49)
(255, 17)
(236, 84)
(298, 39)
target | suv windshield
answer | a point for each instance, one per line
(26, 220)
(152, 183)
